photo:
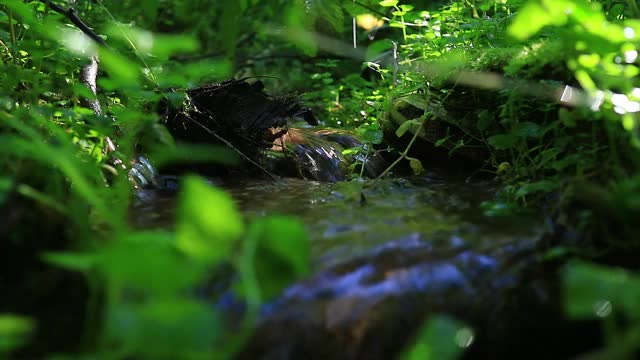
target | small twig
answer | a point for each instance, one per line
(404, 154)
(354, 29)
(395, 63)
(73, 17)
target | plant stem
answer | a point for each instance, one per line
(14, 43)
(403, 155)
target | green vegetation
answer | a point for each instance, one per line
(542, 95)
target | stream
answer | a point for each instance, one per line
(386, 255)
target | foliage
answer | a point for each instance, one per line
(613, 301)
(549, 89)
(439, 338)
(52, 148)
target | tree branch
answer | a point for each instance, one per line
(89, 72)
(73, 17)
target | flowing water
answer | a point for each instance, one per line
(386, 255)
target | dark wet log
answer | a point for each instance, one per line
(236, 110)
(237, 114)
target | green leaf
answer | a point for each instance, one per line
(528, 21)
(416, 166)
(389, 3)
(172, 324)
(298, 32)
(440, 338)
(122, 72)
(484, 120)
(14, 331)
(370, 134)
(72, 261)
(498, 208)
(138, 260)
(351, 151)
(406, 8)
(419, 101)
(441, 141)
(208, 222)
(503, 141)
(177, 75)
(544, 185)
(595, 291)
(527, 129)
(165, 45)
(193, 153)
(405, 126)
(376, 48)
(282, 253)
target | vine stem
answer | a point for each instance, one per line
(403, 155)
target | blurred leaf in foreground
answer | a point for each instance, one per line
(440, 338)
(208, 223)
(14, 330)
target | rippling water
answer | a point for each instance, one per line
(347, 219)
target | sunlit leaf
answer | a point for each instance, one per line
(528, 21)
(122, 72)
(406, 8)
(14, 331)
(389, 3)
(351, 151)
(208, 223)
